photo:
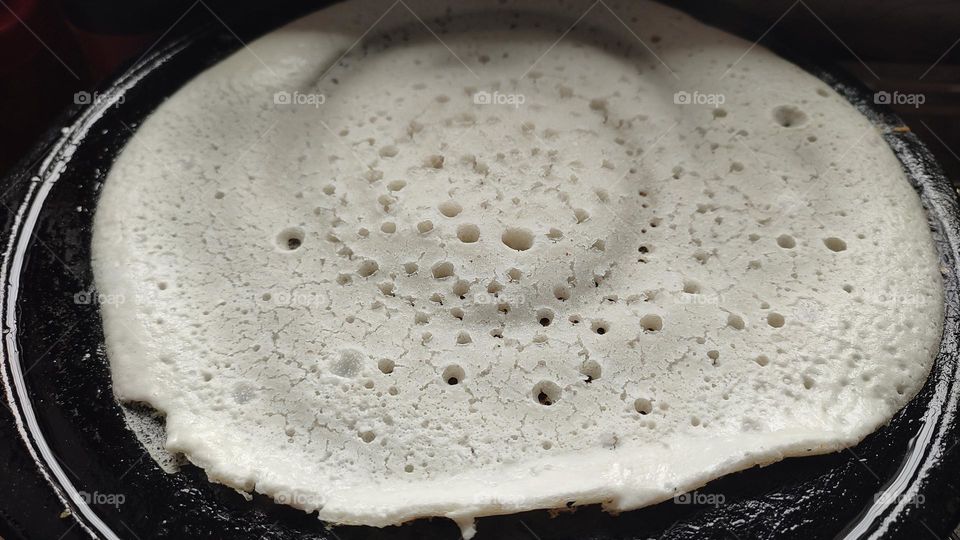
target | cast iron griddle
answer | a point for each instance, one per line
(72, 469)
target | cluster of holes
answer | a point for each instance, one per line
(545, 392)
(832, 243)
(643, 251)
(548, 393)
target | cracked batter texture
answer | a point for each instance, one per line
(491, 267)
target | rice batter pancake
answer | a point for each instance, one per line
(496, 266)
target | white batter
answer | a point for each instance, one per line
(487, 271)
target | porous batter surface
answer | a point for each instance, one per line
(500, 264)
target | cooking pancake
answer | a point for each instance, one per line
(500, 264)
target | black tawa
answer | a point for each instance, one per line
(71, 468)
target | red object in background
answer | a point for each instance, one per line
(37, 74)
(111, 32)
(17, 45)
(49, 50)
(104, 52)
